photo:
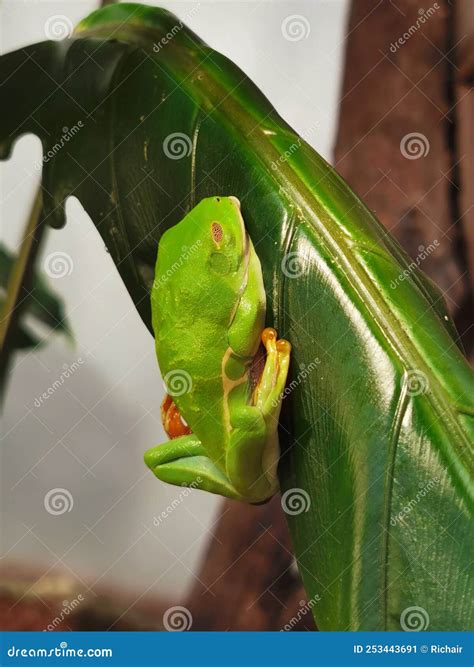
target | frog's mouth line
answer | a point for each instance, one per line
(245, 242)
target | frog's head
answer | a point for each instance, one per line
(225, 238)
(215, 231)
(222, 234)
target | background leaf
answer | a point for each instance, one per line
(43, 304)
(37, 305)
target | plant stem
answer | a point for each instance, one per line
(18, 282)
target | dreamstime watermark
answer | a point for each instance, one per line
(171, 34)
(186, 253)
(58, 265)
(68, 134)
(414, 146)
(410, 506)
(58, 27)
(305, 607)
(176, 502)
(303, 373)
(287, 154)
(61, 651)
(295, 27)
(423, 16)
(295, 501)
(58, 501)
(177, 145)
(423, 253)
(177, 382)
(415, 381)
(66, 609)
(292, 149)
(68, 370)
(291, 266)
(177, 619)
(414, 619)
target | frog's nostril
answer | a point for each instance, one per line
(235, 201)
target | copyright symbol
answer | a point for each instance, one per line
(424, 648)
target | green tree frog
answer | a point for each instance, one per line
(208, 312)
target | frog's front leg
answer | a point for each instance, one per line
(269, 391)
(183, 462)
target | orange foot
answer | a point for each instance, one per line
(171, 419)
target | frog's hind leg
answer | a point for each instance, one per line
(183, 462)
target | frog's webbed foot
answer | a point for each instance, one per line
(183, 462)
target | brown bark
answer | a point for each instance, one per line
(391, 90)
(463, 36)
(34, 600)
(248, 580)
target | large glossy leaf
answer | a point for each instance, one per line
(378, 423)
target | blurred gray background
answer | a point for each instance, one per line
(89, 435)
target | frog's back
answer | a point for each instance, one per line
(192, 308)
(190, 358)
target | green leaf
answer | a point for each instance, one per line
(24, 338)
(378, 424)
(44, 306)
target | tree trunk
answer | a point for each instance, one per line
(404, 133)
(248, 580)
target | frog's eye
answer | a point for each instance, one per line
(216, 232)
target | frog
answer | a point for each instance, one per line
(225, 371)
